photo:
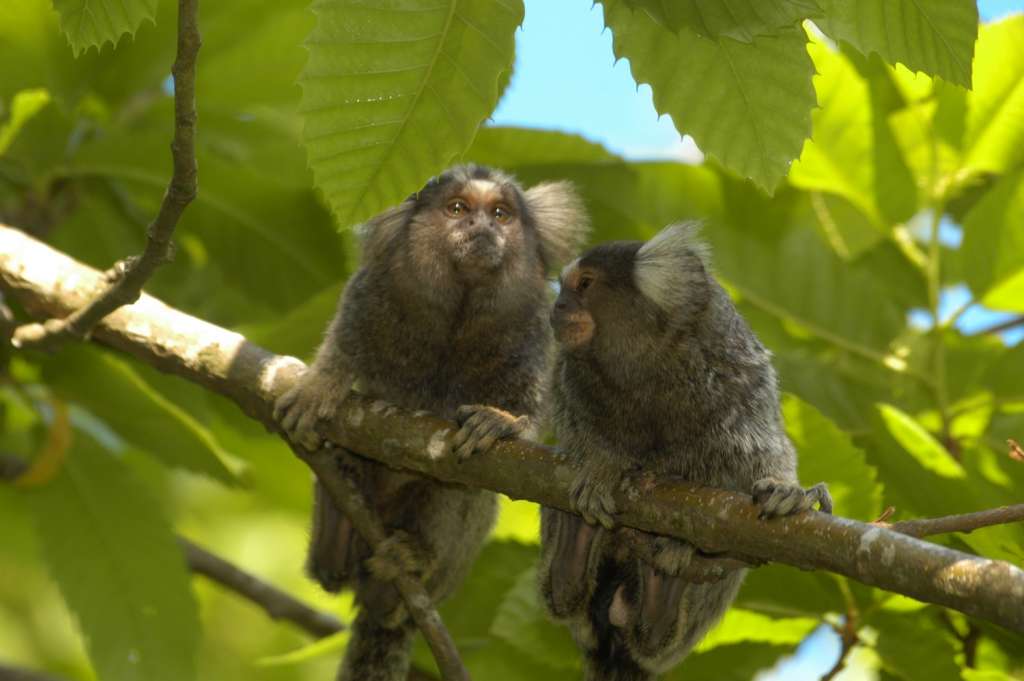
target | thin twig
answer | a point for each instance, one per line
(12, 673)
(278, 604)
(330, 467)
(1000, 327)
(966, 522)
(127, 277)
(849, 638)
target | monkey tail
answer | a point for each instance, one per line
(611, 660)
(375, 652)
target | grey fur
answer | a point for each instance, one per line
(672, 383)
(444, 313)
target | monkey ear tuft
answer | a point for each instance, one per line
(379, 231)
(672, 264)
(561, 221)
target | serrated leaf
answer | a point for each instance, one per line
(738, 19)
(825, 453)
(934, 36)
(509, 146)
(117, 563)
(746, 104)
(94, 23)
(737, 662)
(995, 118)
(393, 92)
(993, 248)
(137, 412)
(919, 443)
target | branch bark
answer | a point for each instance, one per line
(128, 276)
(49, 283)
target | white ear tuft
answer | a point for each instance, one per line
(672, 264)
(560, 219)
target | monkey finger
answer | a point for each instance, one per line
(283, 404)
(483, 438)
(466, 411)
(820, 494)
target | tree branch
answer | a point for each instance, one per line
(278, 604)
(127, 277)
(11, 673)
(48, 282)
(967, 522)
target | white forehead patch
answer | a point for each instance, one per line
(482, 186)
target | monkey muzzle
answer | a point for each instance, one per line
(572, 324)
(478, 248)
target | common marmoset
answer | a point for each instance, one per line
(656, 374)
(448, 313)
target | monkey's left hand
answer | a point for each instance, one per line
(592, 493)
(482, 426)
(777, 498)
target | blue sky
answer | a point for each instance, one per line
(566, 79)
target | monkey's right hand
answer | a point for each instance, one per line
(592, 493)
(314, 398)
(482, 426)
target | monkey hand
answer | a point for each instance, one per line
(482, 426)
(314, 398)
(592, 493)
(397, 555)
(777, 498)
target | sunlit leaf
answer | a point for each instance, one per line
(329, 645)
(934, 36)
(94, 23)
(993, 245)
(392, 94)
(746, 104)
(995, 120)
(742, 625)
(24, 106)
(919, 443)
(119, 568)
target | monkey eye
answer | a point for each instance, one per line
(584, 283)
(456, 207)
(502, 214)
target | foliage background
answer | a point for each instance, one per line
(907, 207)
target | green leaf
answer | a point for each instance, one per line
(328, 645)
(740, 626)
(995, 119)
(780, 591)
(848, 153)
(825, 453)
(137, 412)
(934, 36)
(738, 19)
(522, 622)
(92, 23)
(119, 568)
(24, 106)
(993, 248)
(746, 104)
(738, 662)
(509, 146)
(391, 95)
(913, 647)
(919, 443)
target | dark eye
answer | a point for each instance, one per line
(502, 214)
(456, 207)
(584, 283)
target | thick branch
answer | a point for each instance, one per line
(127, 277)
(49, 283)
(9, 673)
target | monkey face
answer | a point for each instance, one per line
(479, 220)
(571, 319)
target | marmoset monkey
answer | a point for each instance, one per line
(448, 313)
(656, 374)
